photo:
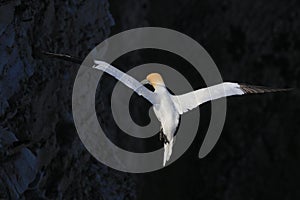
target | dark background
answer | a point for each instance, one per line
(256, 42)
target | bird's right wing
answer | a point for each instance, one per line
(188, 101)
(127, 80)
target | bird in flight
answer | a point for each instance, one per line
(168, 107)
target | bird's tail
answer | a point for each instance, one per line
(168, 150)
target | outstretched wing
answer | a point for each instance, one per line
(127, 80)
(193, 99)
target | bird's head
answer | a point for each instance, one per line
(154, 79)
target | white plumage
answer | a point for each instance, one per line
(167, 107)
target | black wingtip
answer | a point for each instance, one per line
(252, 89)
(40, 53)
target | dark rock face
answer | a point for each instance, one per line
(18, 171)
(41, 155)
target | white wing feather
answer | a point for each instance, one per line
(127, 80)
(193, 99)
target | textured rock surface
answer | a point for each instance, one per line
(40, 152)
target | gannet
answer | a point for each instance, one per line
(168, 107)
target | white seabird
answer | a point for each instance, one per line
(168, 107)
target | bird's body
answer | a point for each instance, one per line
(168, 116)
(168, 107)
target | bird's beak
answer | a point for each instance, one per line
(145, 81)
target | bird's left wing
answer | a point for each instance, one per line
(193, 99)
(127, 80)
